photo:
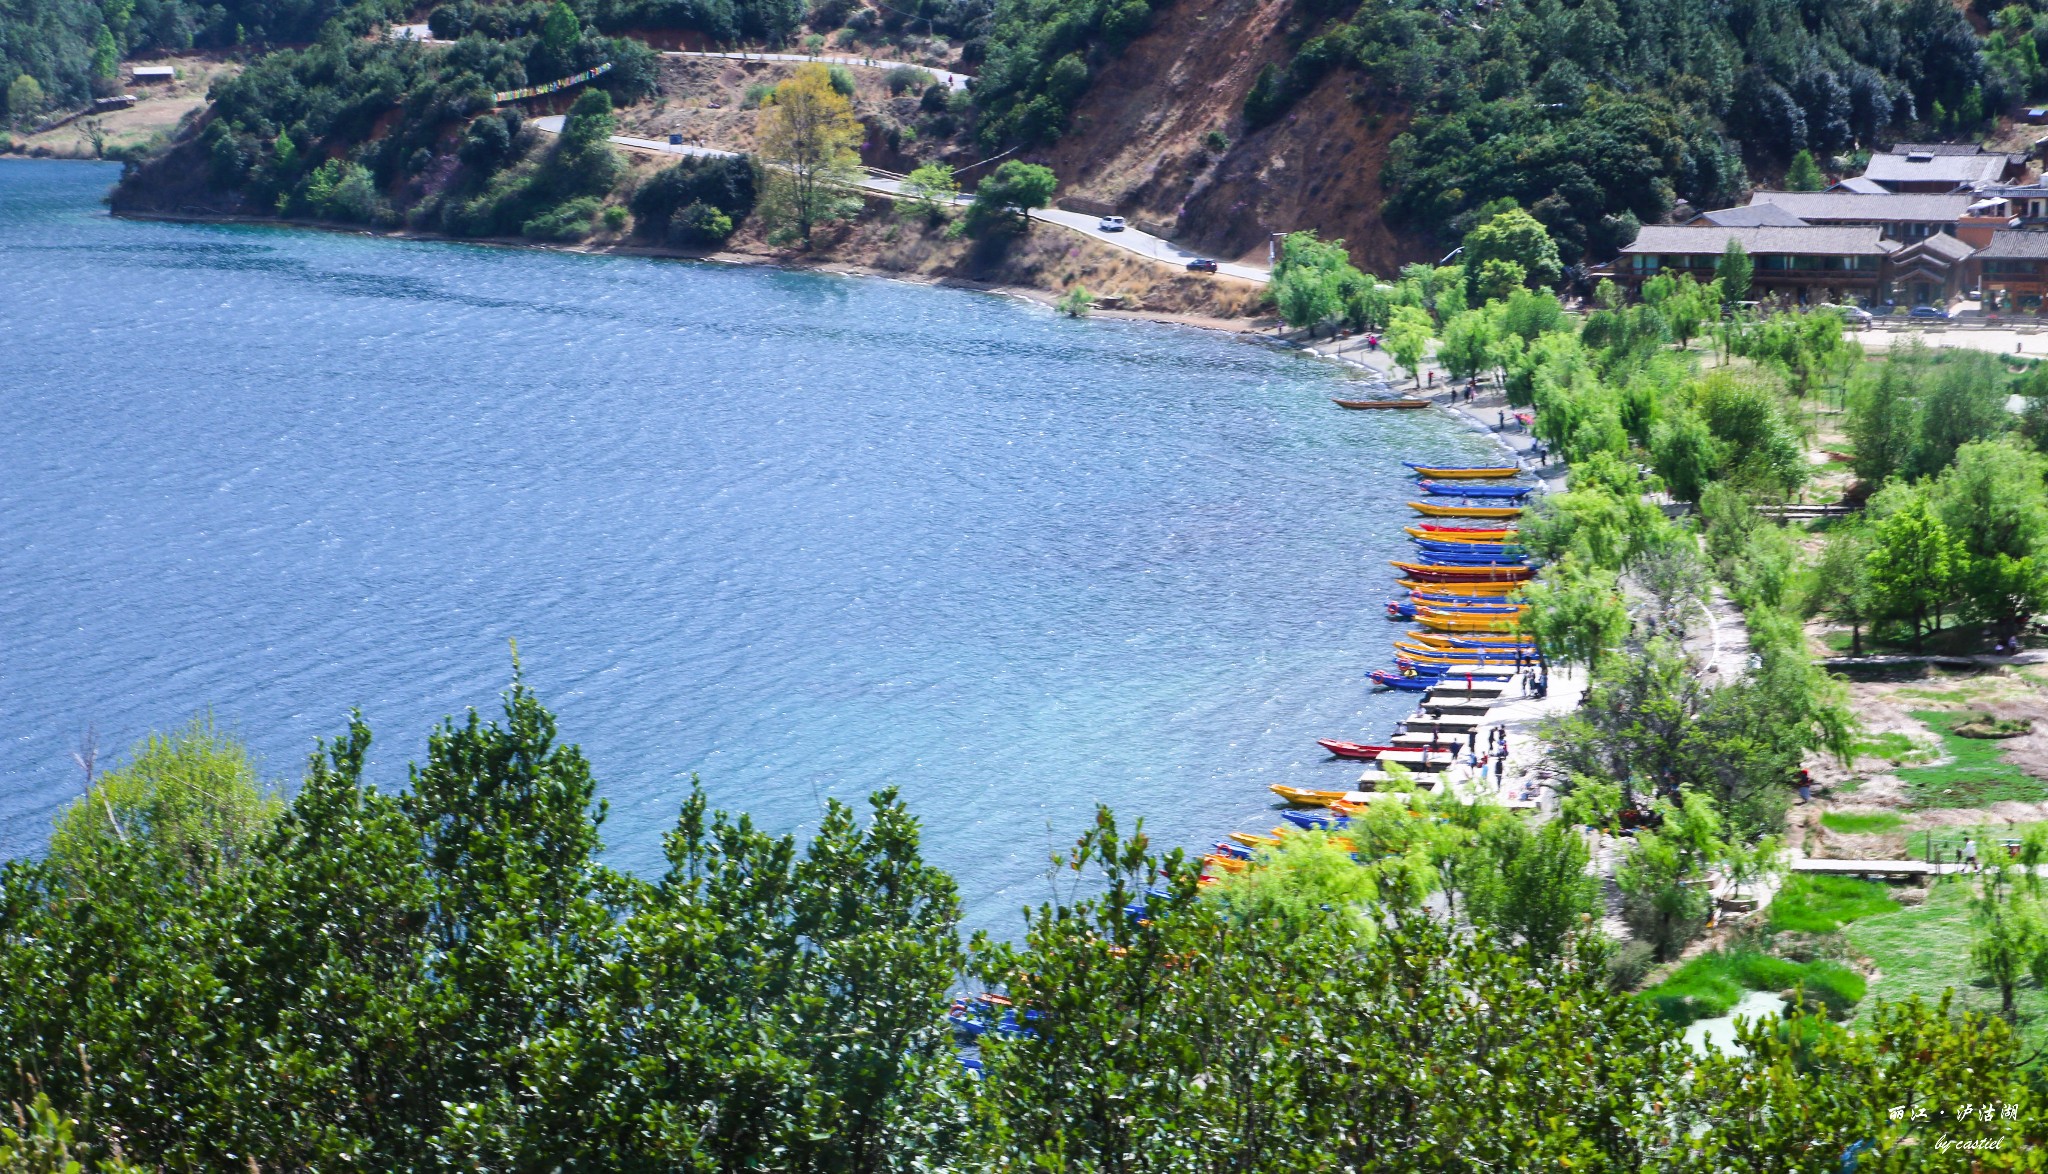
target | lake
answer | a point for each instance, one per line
(804, 536)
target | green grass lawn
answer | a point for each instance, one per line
(1857, 824)
(1816, 904)
(1978, 775)
(1925, 950)
(1892, 746)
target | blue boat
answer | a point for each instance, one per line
(1448, 489)
(1320, 819)
(1416, 684)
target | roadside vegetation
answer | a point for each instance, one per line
(203, 975)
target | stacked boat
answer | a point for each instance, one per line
(1460, 590)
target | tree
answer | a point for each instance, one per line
(24, 98)
(809, 136)
(1734, 273)
(1003, 202)
(1314, 282)
(1307, 296)
(1912, 563)
(1575, 614)
(1841, 582)
(1685, 454)
(928, 191)
(1470, 345)
(1076, 303)
(1884, 422)
(1804, 175)
(192, 796)
(1542, 892)
(2011, 939)
(1993, 502)
(106, 56)
(1966, 402)
(1663, 882)
(1408, 338)
(1515, 237)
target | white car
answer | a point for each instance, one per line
(1111, 224)
(1853, 315)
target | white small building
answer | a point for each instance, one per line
(153, 73)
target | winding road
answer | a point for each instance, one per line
(1130, 239)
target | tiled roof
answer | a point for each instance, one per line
(1859, 240)
(1937, 149)
(1820, 207)
(1941, 244)
(1754, 216)
(1955, 169)
(2014, 245)
(1857, 183)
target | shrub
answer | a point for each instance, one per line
(1629, 964)
(724, 185)
(614, 217)
(1710, 985)
(1216, 141)
(757, 95)
(567, 221)
(904, 78)
(699, 225)
(842, 80)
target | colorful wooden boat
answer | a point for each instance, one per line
(1507, 492)
(1255, 840)
(1472, 590)
(1454, 573)
(1405, 682)
(1461, 534)
(1349, 749)
(1357, 405)
(1465, 472)
(1435, 510)
(1226, 863)
(1452, 622)
(1311, 797)
(1320, 819)
(1480, 641)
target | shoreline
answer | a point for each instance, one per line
(791, 264)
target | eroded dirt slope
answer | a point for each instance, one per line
(1138, 141)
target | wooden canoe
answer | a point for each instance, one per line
(1479, 641)
(1472, 590)
(1461, 536)
(1349, 749)
(1431, 509)
(1311, 797)
(1466, 473)
(1458, 573)
(1358, 405)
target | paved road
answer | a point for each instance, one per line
(954, 81)
(1130, 239)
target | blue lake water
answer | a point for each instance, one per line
(803, 535)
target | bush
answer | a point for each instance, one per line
(614, 218)
(1629, 964)
(699, 225)
(904, 78)
(1710, 985)
(722, 185)
(568, 221)
(842, 80)
(757, 95)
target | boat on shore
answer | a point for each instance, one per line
(1349, 749)
(1359, 405)
(1468, 573)
(1434, 510)
(1466, 590)
(1462, 534)
(1510, 492)
(1465, 472)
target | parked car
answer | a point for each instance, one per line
(1853, 315)
(1201, 265)
(1927, 312)
(1111, 224)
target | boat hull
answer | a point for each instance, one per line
(1435, 510)
(1465, 473)
(1359, 405)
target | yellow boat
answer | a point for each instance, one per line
(1467, 590)
(1451, 621)
(1448, 641)
(1432, 510)
(1504, 661)
(1487, 537)
(1226, 863)
(1488, 473)
(1310, 797)
(1254, 840)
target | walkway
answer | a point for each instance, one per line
(954, 81)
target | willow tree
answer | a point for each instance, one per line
(809, 138)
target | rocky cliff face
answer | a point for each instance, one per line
(1139, 141)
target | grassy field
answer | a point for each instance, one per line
(1857, 824)
(1892, 746)
(1978, 775)
(1823, 904)
(1711, 984)
(1926, 949)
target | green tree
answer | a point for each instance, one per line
(1685, 453)
(1515, 237)
(1993, 501)
(1663, 882)
(1965, 401)
(928, 191)
(24, 98)
(1884, 423)
(808, 137)
(1841, 582)
(559, 29)
(1734, 273)
(1912, 564)
(1470, 345)
(1003, 202)
(1576, 615)
(1542, 892)
(1408, 338)
(1804, 175)
(1077, 302)
(106, 55)
(192, 796)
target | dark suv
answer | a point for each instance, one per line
(1201, 265)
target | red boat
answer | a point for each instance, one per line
(1351, 749)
